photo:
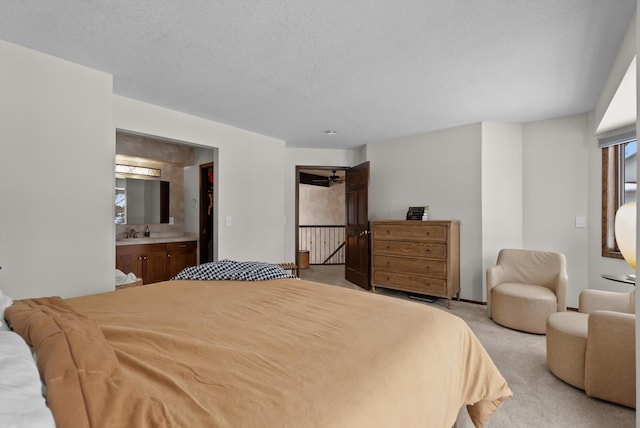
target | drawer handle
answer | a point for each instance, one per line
(183, 245)
(428, 267)
(388, 263)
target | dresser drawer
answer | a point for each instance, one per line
(408, 265)
(411, 249)
(417, 284)
(417, 232)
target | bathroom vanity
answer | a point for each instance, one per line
(156, 259)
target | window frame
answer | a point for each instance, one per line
(611, 197)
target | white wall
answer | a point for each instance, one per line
(556, 174)
(57, 149)
(518, 186)
(441, 169)
(501, 191)
(250, 171)
(624, 57)
(53, 111)
(306, 157)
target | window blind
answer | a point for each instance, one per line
(617, 136)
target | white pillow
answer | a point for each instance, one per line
(5, 302)
(21, 401)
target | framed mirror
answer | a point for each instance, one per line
(140, 201)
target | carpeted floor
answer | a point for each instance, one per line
(540, 399)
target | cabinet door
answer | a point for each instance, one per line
(129, 260)
(155, 263)
(179, 256)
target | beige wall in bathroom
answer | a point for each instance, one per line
(171, 159)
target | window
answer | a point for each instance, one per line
(121, 204)
(618, 187)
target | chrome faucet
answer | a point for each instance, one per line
(132, 234)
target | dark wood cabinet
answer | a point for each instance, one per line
(154, 267)
(156, 262)
(179, 256)
(129, 259)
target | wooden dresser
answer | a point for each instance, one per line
(420, 257)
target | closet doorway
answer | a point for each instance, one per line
(206, 212)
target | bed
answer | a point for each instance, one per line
(274, 353)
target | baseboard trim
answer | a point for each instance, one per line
(475, 302)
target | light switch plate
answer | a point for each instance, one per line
(581, 221)
(227, 221)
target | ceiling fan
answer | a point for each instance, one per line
(333, 178)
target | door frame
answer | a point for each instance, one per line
(202, 209)
(299, 168)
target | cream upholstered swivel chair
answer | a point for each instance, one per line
(525, 287)
(595, 349)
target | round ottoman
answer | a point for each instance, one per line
(522, 307)
(566, 346)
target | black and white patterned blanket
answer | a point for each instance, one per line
(234, 271)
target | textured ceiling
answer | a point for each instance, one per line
(372, 70)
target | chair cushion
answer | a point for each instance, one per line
(570, 322)
(524, 291)
(566, 346)
(523, 307)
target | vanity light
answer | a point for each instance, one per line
(137, 170)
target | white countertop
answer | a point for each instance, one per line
(155, 240)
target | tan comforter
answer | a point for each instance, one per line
(280, 353)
